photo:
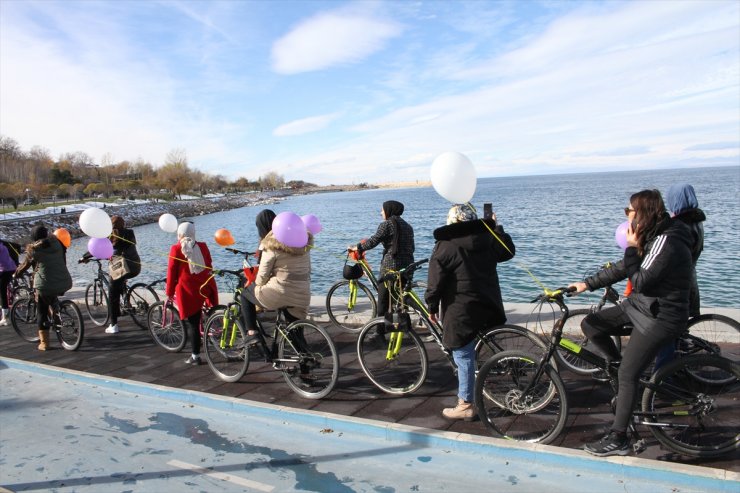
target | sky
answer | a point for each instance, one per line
(334, 92)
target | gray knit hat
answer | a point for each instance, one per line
(461, 212)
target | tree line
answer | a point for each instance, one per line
(35, 175)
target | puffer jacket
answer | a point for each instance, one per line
(48, 257)
(661, 279)
(284, 276)
(463, 280)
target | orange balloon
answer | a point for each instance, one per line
(223, 237)
(63, 235)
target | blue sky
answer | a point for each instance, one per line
(372, 91)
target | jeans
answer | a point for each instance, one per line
(465, 360)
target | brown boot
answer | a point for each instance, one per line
(43, 340)
(463, 410)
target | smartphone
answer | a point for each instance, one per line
(487, 211)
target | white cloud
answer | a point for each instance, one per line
(330, 39)
(305, 125)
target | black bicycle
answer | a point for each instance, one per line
(521, 396)
(64, 318)
(135, 299)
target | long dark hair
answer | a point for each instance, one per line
(649, 212)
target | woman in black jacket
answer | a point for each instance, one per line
(658, 263)
(124, 245)
(463, 286)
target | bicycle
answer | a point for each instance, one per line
(19, 288)
(522, 397)
(166, 327)
(393, 356)
(303, 351)
(65, 319)
(702, 335)
(350, 303)
(135, 299)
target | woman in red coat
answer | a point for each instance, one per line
(190, 282)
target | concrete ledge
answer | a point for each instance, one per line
(678, 476)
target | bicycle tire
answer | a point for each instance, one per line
(350, 319)
(538, 416)
(139, 298)
(96, 303)
(18, 294)
(713, 330)
(23, 319)
(400, 375)
(704, 421)
(229, 362)
(308, 359)
(508, 337)
(572, 327)
(165, 327)
(69, 327)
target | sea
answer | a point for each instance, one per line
(563, 227)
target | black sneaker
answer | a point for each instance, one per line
(193, 361)
(612, 443)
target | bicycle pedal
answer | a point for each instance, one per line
(639, 446)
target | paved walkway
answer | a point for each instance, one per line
(133, 356)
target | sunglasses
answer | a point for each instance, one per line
(627, 211)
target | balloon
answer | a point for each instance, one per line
(100, 247)
(223, 237)
(453, 177)
(63, 235)
(288, 228)
(168, 223)
(96, 223)
(620, 235)
(312, 223)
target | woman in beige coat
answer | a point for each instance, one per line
(283, 281)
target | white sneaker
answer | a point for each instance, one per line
(112, 329)
(4, 321)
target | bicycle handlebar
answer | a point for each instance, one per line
(239, 252)
(406, 271)
(221, 272)
(555, 294)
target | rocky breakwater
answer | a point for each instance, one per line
(135, 213)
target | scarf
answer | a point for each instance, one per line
(191, 250)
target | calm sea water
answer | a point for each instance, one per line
(562, 225)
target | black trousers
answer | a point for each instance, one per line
(117, 288)
(192, 326)
(639, 353)
(43, 303)
(5, 279)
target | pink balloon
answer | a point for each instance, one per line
(312, 223)
(100, 248)
(620, 235)
(289, 229)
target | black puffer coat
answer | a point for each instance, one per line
(661, 279)
(694, 218)
(463, 281)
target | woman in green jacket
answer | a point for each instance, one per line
(51, 279)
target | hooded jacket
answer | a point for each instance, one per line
(284, 276)
(463, 280)
(661, 279)
(51, 277)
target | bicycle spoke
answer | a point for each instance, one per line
(308, 359)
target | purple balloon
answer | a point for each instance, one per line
(100, 247)
(288, 228)
(620, 235)
(312, 223)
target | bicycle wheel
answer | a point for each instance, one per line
(348, 312)
(165, 326)
(96, 303)
(395, 367)
(139, 298)
(20, 293)
(572, 329)
(508, 338)
(23, 319)
(308, 359)
(226, 349)
(717, 334)
(533, 410)
(690, 416)
(69, 326)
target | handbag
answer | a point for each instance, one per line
(118, 267)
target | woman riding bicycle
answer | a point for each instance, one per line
(397, 237)
(190, 281)
(658, 263)
(124, 245)
(463, 283)
(51, 278)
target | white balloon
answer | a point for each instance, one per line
(168, 223)
(453, 177)
(95, 223)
